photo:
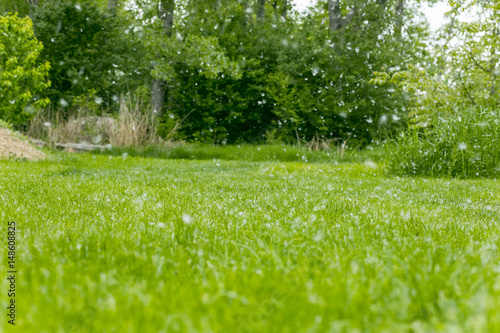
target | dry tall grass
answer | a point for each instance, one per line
(317, 143)
(132, 127)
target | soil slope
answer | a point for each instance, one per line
(12, 147)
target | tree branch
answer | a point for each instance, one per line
(466, 90)
(348, 17)
(283, 13)
(477, 64)
(334, 15)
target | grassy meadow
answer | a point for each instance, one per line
(131, 244)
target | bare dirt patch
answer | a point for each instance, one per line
(12, 147)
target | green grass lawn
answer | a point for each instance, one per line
(113, 244)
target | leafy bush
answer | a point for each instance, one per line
(465, 144)
(294, 83)
(92, 53)
(5, 124)
(22, 75)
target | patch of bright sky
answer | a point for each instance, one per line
(435, 14)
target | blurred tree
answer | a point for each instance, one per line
(292, 80)
(239, 70)
(22, 75)
(93, 53)
(189, 51)
(463, 71)
(23, 8)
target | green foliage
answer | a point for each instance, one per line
(184, 62)
(292, 78)
(194, 53)
(426, 92)
(453, 123)
(5, 124)
(474, 61)
(22, 75)
(91, 52)
(230, 75)
(465, 144)
(23, 8)
(462, 72)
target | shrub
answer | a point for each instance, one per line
(22, 76)
(89, 52)
(5, 124)
(464, 144)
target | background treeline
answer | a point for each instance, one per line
(342, 74)
(230, 71)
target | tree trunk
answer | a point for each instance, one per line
(166, 14)
(337, 22)
(334, 15)
(157, 96)
(112, 4)
(244, 17)
(400, 11)
(493, 71)
(261, 9)
(382, 3)
(284, 12)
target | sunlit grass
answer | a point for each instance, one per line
(246, 152)
(128, 244)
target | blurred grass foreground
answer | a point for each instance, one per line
(126, 244)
